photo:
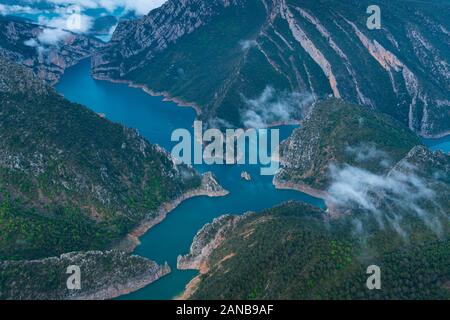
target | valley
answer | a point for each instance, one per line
(87, 178)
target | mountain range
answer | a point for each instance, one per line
(76, 188)
(387, 205)
(223, 55)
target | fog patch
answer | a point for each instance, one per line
(368, 152)
(247, 44)
(273, 107)
(387, 198)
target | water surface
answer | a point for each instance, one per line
(155, 120)
(442, 144)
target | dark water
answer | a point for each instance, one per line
(155, 120)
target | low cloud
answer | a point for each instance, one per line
(368, 152)
(17, 9)
(73, 22)
(387, 198)
(274, 106)
(247, 44)
(139, 7)
(52, 36)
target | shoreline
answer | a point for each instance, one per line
(436, 136)
(107, 284)
(131, 241)
(181, 103)
(131, 286)
(166, 96)
(207, 239)
(192, 285)
(316, 193)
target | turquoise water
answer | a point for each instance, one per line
(442, 144)
(155, 120)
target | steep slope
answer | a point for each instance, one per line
(48, 52)
(222, 55)
(337, 133)
(388, 205)
(293, 252)
(70, 180)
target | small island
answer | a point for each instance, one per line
(246, 176)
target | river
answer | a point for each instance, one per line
(155, 119)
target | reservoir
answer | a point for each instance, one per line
(156, 119)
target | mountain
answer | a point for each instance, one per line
(361, 160)
(337, 132)
(228, 56)
(295, 252)
(46, 51)
(387, 202)
(69, 179)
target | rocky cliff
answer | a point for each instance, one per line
(206, 240)
(47, 52)
(278, 52)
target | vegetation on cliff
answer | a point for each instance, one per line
(337, 132)
(70, 180)
(103, 275)
(291, 50)
(294, 252)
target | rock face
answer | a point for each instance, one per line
(211, 187)
(289, 48)
(206, 240)
(103, 275)
(25, 43)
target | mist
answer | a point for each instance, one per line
(388, 198)
(274, 106)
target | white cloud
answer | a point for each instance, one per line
(385, 197)
(17, 9)
(52, 36)
(140, 7)
(273, 106)
(247, 44)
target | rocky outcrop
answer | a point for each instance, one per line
(27, 44)
(103, 275)
(205, 241)
(246, 176)
(340, 133)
